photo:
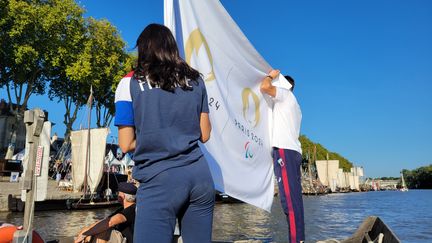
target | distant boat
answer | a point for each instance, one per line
(328, 173)
(404, 188)
(87, 171)
(88, 158)
(375, 186)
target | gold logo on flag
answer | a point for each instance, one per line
(194, 42)
(247, 92)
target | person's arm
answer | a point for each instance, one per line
(116, 219)
(205, 127)
(105, 224)
(127, 141)
(124, 116)
(266, 84)
(80, 236)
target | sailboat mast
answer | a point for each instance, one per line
(310, 169)
(327, 171)
(87, 157)
(316, 167)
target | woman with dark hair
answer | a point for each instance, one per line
(161, 114)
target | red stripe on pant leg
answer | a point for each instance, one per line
(291, 216)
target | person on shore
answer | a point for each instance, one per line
(287, 151)
(162, 114)
(118, 225)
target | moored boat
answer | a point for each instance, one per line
(373, 229)
(403, 188)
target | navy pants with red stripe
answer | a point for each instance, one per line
(287, 171)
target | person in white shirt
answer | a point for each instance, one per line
(287, 151)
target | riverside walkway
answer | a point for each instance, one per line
(13, 188)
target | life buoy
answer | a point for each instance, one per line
(7, 234)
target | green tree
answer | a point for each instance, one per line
(95, 57)
(5, 50)
(29, 31)
(321, 153)
(420, 178)
(109, 62)
(69, 41)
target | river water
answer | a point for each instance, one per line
(408, 214)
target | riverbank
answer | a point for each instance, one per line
(10, 193)
(10, 196)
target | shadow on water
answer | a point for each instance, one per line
(241, 222)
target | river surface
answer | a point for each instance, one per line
(337, 216)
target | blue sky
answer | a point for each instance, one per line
(363, 69)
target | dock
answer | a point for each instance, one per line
(10, 194)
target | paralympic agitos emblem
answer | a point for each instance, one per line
(194, 42)
(248, 152)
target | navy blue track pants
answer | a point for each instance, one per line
(287, 171)
(186, 193)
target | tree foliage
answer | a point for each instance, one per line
(48, 46)
(420, 178)
(321, 153)
(96, 58)
(29, 31)
(386, 178)
(25, 39)
(108, 62)
(69, 41)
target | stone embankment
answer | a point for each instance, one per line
(13, 189)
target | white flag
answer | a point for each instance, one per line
(239, 151)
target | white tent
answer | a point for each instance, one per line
(127, 160)
(111, 160)
(19, 155)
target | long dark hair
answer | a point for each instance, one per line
(159, 61)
